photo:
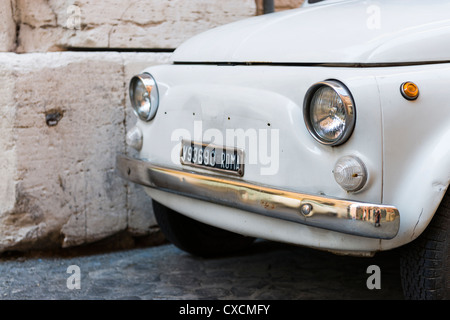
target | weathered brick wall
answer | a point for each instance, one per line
(64, 114)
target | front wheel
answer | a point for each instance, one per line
(195, 237)
(425, 263)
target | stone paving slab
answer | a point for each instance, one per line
(267, 271)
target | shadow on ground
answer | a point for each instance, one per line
(268, 270)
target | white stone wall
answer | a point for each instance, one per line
(55, 25)
(63, 122)
(64, 111)
(7, 26)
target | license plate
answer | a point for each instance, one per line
(217, 158)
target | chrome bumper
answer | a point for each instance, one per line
(356, 218)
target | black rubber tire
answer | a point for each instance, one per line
(425, 263)
(195, 237)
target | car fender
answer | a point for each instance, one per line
(416, 148)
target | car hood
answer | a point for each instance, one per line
(392, 31)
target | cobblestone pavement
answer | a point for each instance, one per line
(267, 271)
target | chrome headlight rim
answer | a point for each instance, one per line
(349, 106)
(151, 87)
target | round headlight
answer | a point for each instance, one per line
(144, 96)
(329, 112)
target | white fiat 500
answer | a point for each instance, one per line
(326, 126)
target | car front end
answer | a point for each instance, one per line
(281, 128)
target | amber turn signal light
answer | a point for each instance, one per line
(409, 90)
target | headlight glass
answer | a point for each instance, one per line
(144, 96)
(329, 112)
